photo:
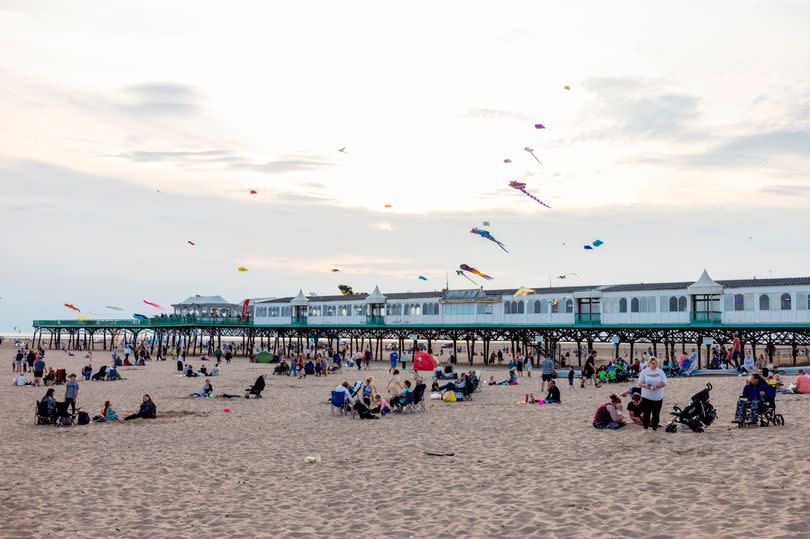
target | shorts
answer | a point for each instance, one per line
(38, 374)
(547, 377)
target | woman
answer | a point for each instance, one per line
(634, 408)
(395, 386)
(608, 415)
(381, 406)
(206, 392)
(108, 413)
(652, 381)
(51, 401)
(148, 410)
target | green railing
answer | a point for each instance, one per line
(149, 322)
(375, 320)
(298, 321)
(588, 319)
(706, 318)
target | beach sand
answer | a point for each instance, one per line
(518, 471)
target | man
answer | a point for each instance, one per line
(71, 392)
(39, 369)
(553, 396)
(802, 383)
(18, 361)
(367, 358)
(31, 357)
(547, 372)
(218, 353)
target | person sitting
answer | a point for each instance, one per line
(126, 361)
(215, 370)
(203, 371)
(148, 410)
(455, 386)
(347, 394)
(206, 392)
(309, 368)
(756, 394)
(608, 415)
(434, 387)
(87, 372)
(50, 377)
(802, 383)
(108, 413)
(748, 365)
(634, 408)
(101, 375)
(407, 392)
(553, 396)
(381, 406)
(492, 381)
(49, 399)
(512, 381)
(190, 372)
(112, 374)
(362, 410)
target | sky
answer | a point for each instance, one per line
(132, 128)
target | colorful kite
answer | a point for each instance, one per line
(539, 126)
(520, 186)
(531, 151)
(486, 235)
(346, 290)
(474, 271)
(114, 308)
(71, 306)
(462, 274)
(422, 278)
(137, 316)
(595, 243)
(155, 305)
(524, 291)
(253, 191)
(191, 242)
(388, 206)
(241, 269)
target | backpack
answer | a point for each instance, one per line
(83, 418)
(65, 421)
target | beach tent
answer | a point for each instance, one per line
(422, 361)
(264, 357)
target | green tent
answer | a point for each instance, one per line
(264, 357)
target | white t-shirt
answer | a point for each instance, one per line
(652, 377)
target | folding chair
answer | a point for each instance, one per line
(337, 403)
(417, 401)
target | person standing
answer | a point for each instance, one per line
(218, 353)
(39, 370)
(30, 358)
(393, 359)
(71, 392)
(228, 355)
(18, 361)
(547, 372)
(736, 348)
(652, 381)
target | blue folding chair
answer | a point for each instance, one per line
(337, 403)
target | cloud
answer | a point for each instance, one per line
(281, 166)
(161, 98)
(157, 156)
(385, 227)
(787, 190)
(496, 114)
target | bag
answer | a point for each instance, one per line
(65, 421)
(449, 396)
(83, 418)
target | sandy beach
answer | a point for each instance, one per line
(517, 471)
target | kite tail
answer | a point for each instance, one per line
(531, 196)
(501, 245)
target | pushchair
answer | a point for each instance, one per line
(256, 389)
(696, 415)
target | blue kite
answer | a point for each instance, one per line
(485, 234)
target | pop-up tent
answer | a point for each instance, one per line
(264, 357)
(422, 361)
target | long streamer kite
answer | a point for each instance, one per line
(155, 305)
(137, 316)
(71, 306)
(474, 271)
(114, 308)
(486, 235)
(524, 292)
(462, 274)
(531, 151)
(595, 243)
(346, 290)
(423, 278)
(241, 269)
(520, 186)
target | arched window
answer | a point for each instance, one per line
(764, 302)
(673, 304)
(682, 304)
(739, 302)
(507, 307)
(407, 309)
(520, 307)
(538, 306)
(623, 305)
(634, 305)
(785, 302)
(569, 306)
(417, 309)
(808, 303)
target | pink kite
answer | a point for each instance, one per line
(520, 186)
(422, 361)
(155, 305)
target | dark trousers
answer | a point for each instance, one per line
(650, 410)
(136, 416)
(71, 403)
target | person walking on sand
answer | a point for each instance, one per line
(652, 381)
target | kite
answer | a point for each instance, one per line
(241, 269)
(486, 235)
(474, 271)
(531, 151)
(462, 274)
(191, 242)
(520, 186)
(71, 306)
(595, 243)
(346, 290)
(539, 126)
(524, 292)
(114, 308)
(567, 87)
(342, 150)
(82, 318)
(486, 223)
(507, 161)
(565, 276)
(253, 192)
(388, 206)
(554, 302)
(137, 316)
(155, 305)
(422, 278)
(335, 270)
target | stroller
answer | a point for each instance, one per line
(256, 389)
(698, 414)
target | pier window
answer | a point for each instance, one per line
(764, 302)
(739, 302)
(484, 308)
(520, 309)
(673, 304)
(634, 306)
(539, 307)
(569, 306)
(623, 305)
(507, 307)
(786, 302)
(682, 304)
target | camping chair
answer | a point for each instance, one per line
(417, 402)
(337, 403)
(43, 418)
(469, 388)
(478, 385)
(61, 376)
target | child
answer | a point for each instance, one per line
(571, 377)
